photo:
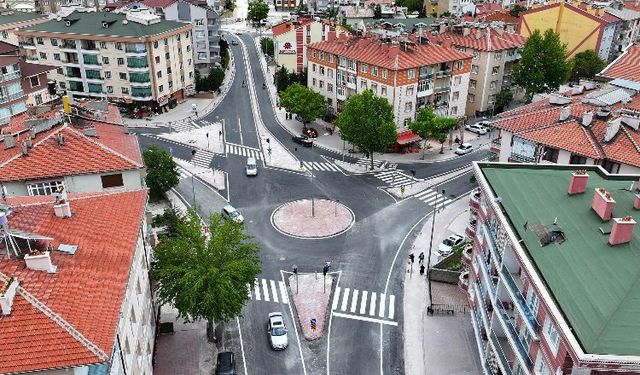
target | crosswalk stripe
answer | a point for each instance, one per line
(306, 165)
(435, 199)
(265, 290)
(335, 298)
(382, 305)
(424, 194)
(249, 291)
(372, 307)
(392, 303)
(321, 167)
(345, 299)
(274, 291)
(446, 202)
(283, 292)
(256, 289)
(354, 300)
(363, 303)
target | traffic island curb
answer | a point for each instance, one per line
(312, 218)
(311, 301)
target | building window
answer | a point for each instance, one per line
(408, 107)
(56, 56)
(157, 59)
(495, 70)
(424, 85)
(105, 60)
(411, 73)
(383, 90)
(330, 73)
(611, 167)
(498, 55)
(493, 85)
(532, 300)
(54, 42)
(541, 367)
(60, 71)
(322, 70)
(188, 48)
(110, 89)
(321, 55)
(199, 22)
(577, 159)
(456, 95)
(472, 83)
(38, 99)
(329, 87)
(44, 188)
(321, 84)
(315, 53)
(313, 67)
(330, 57)
(471, 98)
(550, 154)
(161, 88)
(155, 44)
(409, 91)
(374, 88)
(313, 82)
(112, 180)
(119, 46)
(364, 68)
(385, 73)
(492, 99)
(120, 61)
(122, 75)
(125, 90)
(476, 54)
(43, 55)
(202, 55)
(34, 81)
(474, 69)
(454, 111)
(39, 40)
(5, 35)
(159, 74)
(107, 74)
(103, 45)
(374, 71)
(459, 64)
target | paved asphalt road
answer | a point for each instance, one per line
(365, 256)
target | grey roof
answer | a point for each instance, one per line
(607, 96)
(626, 84)
(89, 23)
(408, 23)
(13, 16)
(624, 14)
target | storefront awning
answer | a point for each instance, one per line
(406, 137)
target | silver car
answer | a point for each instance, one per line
(446, 247)
(464, 148)
(476, 128)
(277, 331)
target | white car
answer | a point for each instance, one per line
(277, 331)
(464, 148)
(476, 128)
(229, 212)
(446, 247)
(251, 167)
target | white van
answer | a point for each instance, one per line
(252, 167)
(229, 212)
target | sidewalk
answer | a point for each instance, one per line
(437, 344)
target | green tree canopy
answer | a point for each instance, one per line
(543, 65)
(430, 125)
(412, 5)
(162, 171)
(206, 278)
(586, 64)
(503, 99)
(258, 12)
(267, 47)
(366, 121)
(304, 102)
(516, 9)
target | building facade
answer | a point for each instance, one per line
(408, 74)
(11, 20)
(131, 58)
(532, 258)
(13, 99)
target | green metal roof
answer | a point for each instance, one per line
(596, 286)
(90, 23)
(9, 17)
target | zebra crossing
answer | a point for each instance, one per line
(380, 164)
(364, 305)
(394, 178)
(320, 166)
(183, 125)
(250, 152)
(202, 158)
(433, 198)
(268, 291)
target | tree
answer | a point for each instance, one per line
(412, 5)
(162, 171)
(503, 99)
(216, 77)
(267, 47)
(428, 124)
(443, 126)
(258, 12)
(304, 102)
(366, 121)
(515, 11)
(543, 65)
(206, 278)
(586, 64)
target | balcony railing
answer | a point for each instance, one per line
(137, 62)
(486, 276)
(136, 49)
(486, 369)
(482, 305)
(141, 93)
(489, 234)
(93, 74)
(95, 88)
(9, 76)
(90, 59)
(441, 89)
(5, 120)
(502, 358)
(10, 97)
(139, 78)
(520, 302)
(512, 336)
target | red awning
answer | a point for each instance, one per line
(406, 137)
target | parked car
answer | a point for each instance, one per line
(476, 128)
(277, 331)
(234, 42)
(229, 212)
(446, 247)
(464, 148)
(303, 140)
(226, 364)
(485, 124)
(251, 167)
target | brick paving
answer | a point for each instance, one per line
(448, 294)
(311, 302)
(330, 218)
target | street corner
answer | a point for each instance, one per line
(311, 294)
(312, 218)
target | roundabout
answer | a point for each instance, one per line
(312, 219)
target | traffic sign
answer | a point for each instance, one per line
(313, 324)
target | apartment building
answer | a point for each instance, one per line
(134, 57)
(291, 39)
(553, 270)
(75, 294)
(12, 20)
(627, 30)
(495, 52)
(409, 74)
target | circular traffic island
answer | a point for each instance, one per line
(312, 219)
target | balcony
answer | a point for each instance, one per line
(91, 60)
(68, 46)
(480, 342)
(28, 44)
(486, 276)
(352, 85)
(140, 79)
(76, 86)
(89, 46)
(467, 255)
(512, 335)
(517, 297)
(341, 93)
(463, 281)
(11, 97)
(482, 306)
(505, 367)
(142, 94)
(93, 74)
(489, 235)
(443, 73)
(137, 49)
(474, 199)
(95, 88)
(137, 64)
(10, 76)
(470, 230)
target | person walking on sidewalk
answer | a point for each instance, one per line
(421, 257)
(422, 270)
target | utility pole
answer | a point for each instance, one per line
(433, 224)
(193, 186)
(295, 272)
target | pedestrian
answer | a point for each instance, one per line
(421, 257)
(422, 270)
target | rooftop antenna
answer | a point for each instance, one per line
(10, 242)
(555, 221)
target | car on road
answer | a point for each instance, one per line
(485, 124)
(446, 247)
(303, 140)
(226, 364)
(476, 128)
(251, 167)
(464, 148)
(277, 331)
(234, 42)
(229, 212)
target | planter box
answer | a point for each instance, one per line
(621, 231)
(602, 206)
(578, 183)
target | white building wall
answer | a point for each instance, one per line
(606, 42)
(505, 146)
(457, 107)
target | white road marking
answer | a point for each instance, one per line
(295, 329)
(336, 296)
(244, 360)
(240, 131)
(283, 292)
(265, 290)
(354, 301)
(372, 307)
(382, 304)
(345, 299)
(249, 290)
(363, 303)
(256, 289)
(365, 318)
(274, 291)
(392, 303)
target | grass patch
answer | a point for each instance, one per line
(454, 261)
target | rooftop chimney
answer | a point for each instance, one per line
(622, 230)
(631, 118)
(7, 293)
(636, 202)
(587, 118)
(62, 209)
(578, 182)
(40, 261)
(602, 204)
(25, 148)
(612, 129)
(60, 139)
(565, 112)
(9, 141)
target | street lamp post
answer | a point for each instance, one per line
(193, 186)
(433, 224)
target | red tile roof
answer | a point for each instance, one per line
(28, 69)
(627, 66)
(285, 26)
(483, 8)
(158, 3)
(569, 135)
(87, 289)
(500, 16)
(488, 39)
(372, 51)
